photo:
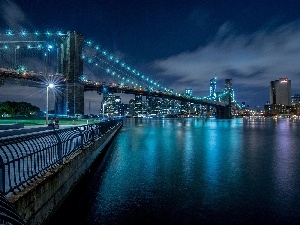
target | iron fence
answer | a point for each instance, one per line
(24, 159)
(8, 215)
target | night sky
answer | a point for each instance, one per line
(181, 44)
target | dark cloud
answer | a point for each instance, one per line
(13, 16)
(253, 60)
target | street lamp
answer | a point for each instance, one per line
(104, 104)
(47, 103)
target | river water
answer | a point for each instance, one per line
(194, 171)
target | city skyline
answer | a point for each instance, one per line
(180, 45)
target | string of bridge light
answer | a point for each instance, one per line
(131, 73)
(147, 80)
(25, 33)
(40, 44)
(112, 70)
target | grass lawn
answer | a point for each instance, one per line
(42, 121)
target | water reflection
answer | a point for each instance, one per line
(193, 171)
(285, 165)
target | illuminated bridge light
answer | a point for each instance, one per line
(59, 33)
(23, 33)
(49, 33)
(104, 53)
(9, 33)
(117, 61)
(97, 47)
(36, 33)
(90, 60)
(107, 70)
(89, 43)
(39, 46)
(22, 68)
(113, 73)
(122, 64)
(111, 57)
(5, 47)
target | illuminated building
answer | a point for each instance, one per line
(112, 103)
(212, 88)
(295, 99)
(296, 104)
(138, 105)
(228, 96)
(188, 92)
(228, 84)
(280, 92)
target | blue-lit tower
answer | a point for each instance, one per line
(70, 64)
(212, 88)
(188, 92)
(229, 90)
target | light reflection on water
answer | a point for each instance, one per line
(191, 171)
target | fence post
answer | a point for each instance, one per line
(59, 147)
(81, 136)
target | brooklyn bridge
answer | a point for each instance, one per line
(74, 64)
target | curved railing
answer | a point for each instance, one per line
(8, 214)
(23, 159)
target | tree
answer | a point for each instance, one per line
(18, 109)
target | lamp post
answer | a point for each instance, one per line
(104, 104)
(47, 101)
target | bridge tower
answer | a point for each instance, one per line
(71, 100)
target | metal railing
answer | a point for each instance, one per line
(8, 215)
(23, 159)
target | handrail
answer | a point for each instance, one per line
(23, 159)
(8, 214)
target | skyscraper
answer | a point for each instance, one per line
(188, 92)
(229, 97)
(228, 84)
(280, 92)
(212, 88)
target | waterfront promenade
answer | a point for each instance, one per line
(39, 169)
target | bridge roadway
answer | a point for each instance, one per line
(37, 80)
